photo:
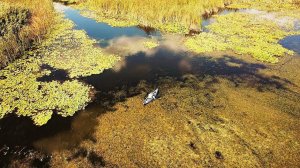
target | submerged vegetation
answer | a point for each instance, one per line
(196, 123)
(22, 23)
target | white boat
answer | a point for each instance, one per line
(151, 96)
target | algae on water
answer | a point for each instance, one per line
(73, 51)
(23, 94)
(150, 44)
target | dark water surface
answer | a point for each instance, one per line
(292, 43)
(19, 136)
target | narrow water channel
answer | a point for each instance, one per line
(102, 31)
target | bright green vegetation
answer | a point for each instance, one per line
(245, 34)
(177, 16)
(206, 42)
(20, 91)
(73, 51)
(22, 94)
(151, 44)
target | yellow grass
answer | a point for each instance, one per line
(172, 16)
(40, 17)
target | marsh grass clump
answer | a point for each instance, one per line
(22, 23)
(12, 20)
(176, 16)
(245, 34)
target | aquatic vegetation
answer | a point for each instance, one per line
(206, 42)
(267, 5)
(22, 94)
(112, 21)
(177, 16)
(64, 48)
(151, 44)
(290, 8)
(74, 51)
(245, 34)
(196, 123)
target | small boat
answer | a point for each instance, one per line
(151, 96)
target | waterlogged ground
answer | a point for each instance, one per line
(220, 109)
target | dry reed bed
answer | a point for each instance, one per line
(23, 23)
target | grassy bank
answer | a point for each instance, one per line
(22, 23)
(168, 16)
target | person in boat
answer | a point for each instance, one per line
(150, 97)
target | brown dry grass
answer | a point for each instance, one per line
(14, 42)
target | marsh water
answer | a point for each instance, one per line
(138, 73)
(104, 32)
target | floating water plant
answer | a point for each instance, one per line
(266, 4)
(245, 34)
(151, 44)
(206, 42)
(22, 94)
(73, 51)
